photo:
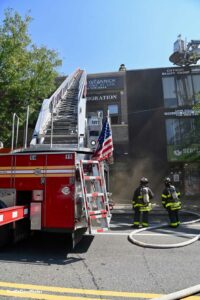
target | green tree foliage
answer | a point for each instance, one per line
(27, 72)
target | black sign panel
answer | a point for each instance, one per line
(110, 83)
(181, 71)
(104, 97)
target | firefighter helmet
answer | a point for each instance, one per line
(168, 181)
(144, 180)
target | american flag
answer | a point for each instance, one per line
(104, 148)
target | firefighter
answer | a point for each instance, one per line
(171, 202)
(141, 203)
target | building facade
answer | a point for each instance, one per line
(155, 125)
(106, 92)
(181, 93)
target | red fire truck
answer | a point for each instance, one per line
(53, 184)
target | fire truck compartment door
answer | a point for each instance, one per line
(36, 216)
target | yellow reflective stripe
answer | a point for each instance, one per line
(174, 224)
(145, 208)
(164, 196)
(139, 197)
(169, 204)
(145, 224)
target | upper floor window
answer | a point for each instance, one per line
(196, 85)
(184, 90)
(169, 92)
(114, 113)
(181, 90)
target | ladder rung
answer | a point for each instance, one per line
(101, 211)
(92, 177)
(95, 194)
(98, 214)
(86, 162)
(98, 230)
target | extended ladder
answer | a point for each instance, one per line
(94, 195)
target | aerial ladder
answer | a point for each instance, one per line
(54, 184)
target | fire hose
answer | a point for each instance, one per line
(165, 246)
(180, 294)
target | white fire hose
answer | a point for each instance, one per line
(165, 246)
(182, 293)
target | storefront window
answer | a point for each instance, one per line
(192, 180)
(173, 131)
(181, 131)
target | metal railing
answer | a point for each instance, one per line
(15, 139)
(48, 108)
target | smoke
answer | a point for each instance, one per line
(123, 182)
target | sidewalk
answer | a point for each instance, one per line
(193, 206)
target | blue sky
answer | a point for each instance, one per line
(99, 35)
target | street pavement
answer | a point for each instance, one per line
(104, 266)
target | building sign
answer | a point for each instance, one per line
(190, 153)
(105, 83)
(182, 113)
(180, 71)
(104, 97)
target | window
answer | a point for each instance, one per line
(181, 90)
(196, 85)
(173, 131)
(113, 111)
(182, 131)
(192, 180)
(184, 90)
(169, 91)
(94, 133)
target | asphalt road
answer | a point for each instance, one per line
(106, 266)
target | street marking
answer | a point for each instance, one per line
(27, 295)
(36, 292)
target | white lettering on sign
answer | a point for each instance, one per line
(102, 97)
(183, 113)
(186, 151)
(102, 83)
(1, 218)
(180, 71)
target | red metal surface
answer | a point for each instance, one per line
(5, 171)
(12, 214)
(53, 173)
(58, 204)
(29, 171)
